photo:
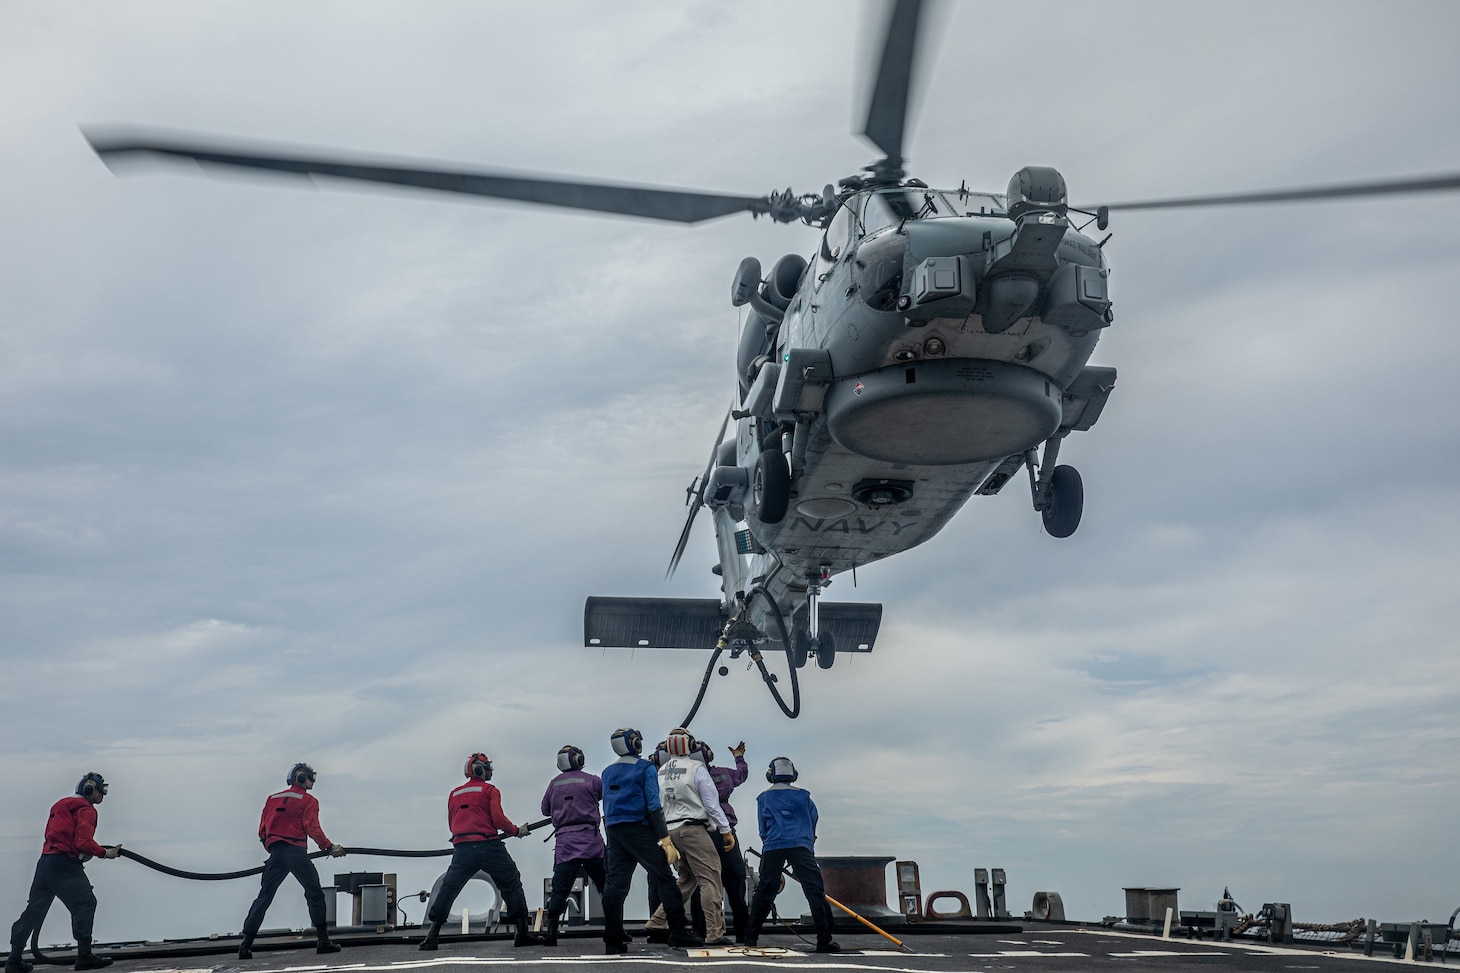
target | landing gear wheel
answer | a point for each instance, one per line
(1066, 502)
(825, 650)
(800, 648)
(770, 487)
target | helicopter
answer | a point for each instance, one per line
(935, 347)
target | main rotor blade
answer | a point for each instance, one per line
(679, 206)
(887, 108)
(1445, 182)
(698, 500)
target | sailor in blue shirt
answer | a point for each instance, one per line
(637, 835)
(787, 818)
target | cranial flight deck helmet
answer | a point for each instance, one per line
(781, 771)
(90, 784)
(706, 754)
(478, 765)
(570, 758)
(299, 773)
(680, 742)
(661, 754)
(627, 742)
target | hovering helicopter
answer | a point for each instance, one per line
(935, 346)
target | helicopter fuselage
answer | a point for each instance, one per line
(928, 346)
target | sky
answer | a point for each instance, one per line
(326, 475)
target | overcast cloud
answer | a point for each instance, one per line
(291, 474)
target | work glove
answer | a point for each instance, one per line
(670, 852)
(113, 851)
(738, 750)
(523, 830)
(337, 851)
(727, 841)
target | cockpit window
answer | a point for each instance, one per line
(838, 237)
(877, 269)
(892, 206)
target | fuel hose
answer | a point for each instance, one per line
(258, 869)
(792, 711)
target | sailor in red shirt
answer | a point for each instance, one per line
(290, 819)
(474, 812)
(70, 840)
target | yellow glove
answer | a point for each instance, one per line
(670, 852)
(727, 841)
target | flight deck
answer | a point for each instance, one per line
(1038, 948)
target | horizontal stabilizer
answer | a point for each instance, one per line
(696, 623)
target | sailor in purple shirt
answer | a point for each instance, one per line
(571, 801)
(732, 865)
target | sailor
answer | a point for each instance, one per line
(692, 813)
(788, 836)
(289, 820)
(571, 801)
(637, 835)
(474, 811)
(70, 840)
(732, 863)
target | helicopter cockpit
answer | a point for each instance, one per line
(867, 222)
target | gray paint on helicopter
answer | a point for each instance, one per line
(245, 433)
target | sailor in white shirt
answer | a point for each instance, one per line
(698, 827)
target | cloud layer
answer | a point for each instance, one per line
(291, 474)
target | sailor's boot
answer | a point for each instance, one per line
(16, 961)
(245, 947)
(523, 937)
(433, 933)
(324, 944)
(551, 939)
(86, 959)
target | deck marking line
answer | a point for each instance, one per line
(1253, 949)
(650, 959)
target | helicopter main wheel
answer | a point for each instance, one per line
(825, 650)
(770, 487)
(1066, 502)
(800, 648)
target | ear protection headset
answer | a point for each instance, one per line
(570, 758)
(299, 773)
(706, 754)
(679, 743)
(661, 755)
(627, 742)
(90, 784)
(781, 771)
(479, 765)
